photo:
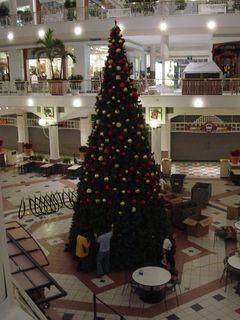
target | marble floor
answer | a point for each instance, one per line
(199, 260)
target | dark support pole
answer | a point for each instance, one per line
(94, 307)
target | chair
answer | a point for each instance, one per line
(136, 288)
(229, 272)
(171, 288)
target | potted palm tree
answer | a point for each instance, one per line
(54, 48)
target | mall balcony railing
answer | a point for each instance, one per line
(156, 8)
(218, 86)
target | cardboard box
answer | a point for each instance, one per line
(197, 225)
(172, 198)
(233, 212)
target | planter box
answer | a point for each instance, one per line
(233, 212)
(197, 225)
(57, 87)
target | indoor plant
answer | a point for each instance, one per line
(75, 83)
(54, 48)
(70, 5)
(235, 156)
(28, 149)
(82, 152)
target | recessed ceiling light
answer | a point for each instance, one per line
(77, 31)
(10, 36)
(41, 33)
(76, 103)
(7, 108)
(30, 102)
(211, 25)
(198, 103)
(163, 26)
(42, 122)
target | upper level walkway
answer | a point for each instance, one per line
(169, 87)
(50, 14)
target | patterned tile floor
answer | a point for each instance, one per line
(197, 169)
(199, 260)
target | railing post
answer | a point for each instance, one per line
(94, 307)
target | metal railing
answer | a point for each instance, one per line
(228, 86)
(95, 299)
(161, 7)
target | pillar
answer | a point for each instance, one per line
(33, 6)
(156, 144)
(82, 66)
(22, 128)
(152, 61)
(54, 143)
(85, 129)
(15, 64)
(13, 12)
(143, 63)
(164, 54)
(82, 9)
(166, 140)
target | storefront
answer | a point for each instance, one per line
(4, 63)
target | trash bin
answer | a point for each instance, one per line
(224, 168)
(201, 193)
(176, 181)
(166, 167)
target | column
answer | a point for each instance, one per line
(82, 66)
(156, 144)
(166, 140)
(82, 9)
(152, 61)
(54, 143)
(164, 54)
(85, 129)
(22, 128)
(143, 63)
(13, 12)
(33, 6)
(15, 64)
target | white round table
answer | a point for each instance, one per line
(234, 261)
(151, 276)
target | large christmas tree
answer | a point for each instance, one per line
(119, 179)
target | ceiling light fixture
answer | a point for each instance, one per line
(10, 36)
(77, 31)
(76, 103)
(198, 103)
(211, 25)
(42, 122)
(163, 26)
(41, 33)
(30, 102)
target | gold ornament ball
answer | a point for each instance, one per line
(123, 191)
(100, 158)
(116, 165)
(125, 130)
(138, 133)
(97, 200)
(136, 156)
(143, 138)
(101, 133)
(137, 190)
(118, 77)
(117, 111)
(125, 89)
(104, 200)
(114, 189)
(119, 124)
(96, 176)
(106, 140)
(145, 156)
(122, 203)
(134, 209)
(100, 149)
(127, 120)
(110, 61)
(104, 111)
(130, 141)
(118, 68)
(89, 190)
(147, 181)
(106, 179)
(126, 171)
(113, 98)
(124, 179)
(120, 213)
(118, 50)
(110, 66)
(108, 115)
